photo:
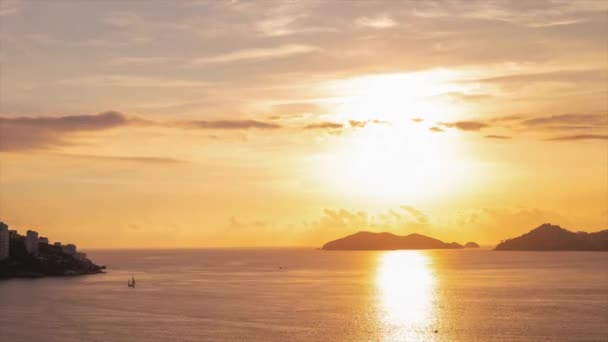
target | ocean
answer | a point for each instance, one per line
(314, 295)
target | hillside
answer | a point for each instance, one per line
(548, 237)
(387, 241)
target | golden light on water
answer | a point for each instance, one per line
(406, 288)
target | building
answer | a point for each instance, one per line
(12, 234)
(57, 244)
(4, 241)
(31, 242)
(69, 249)
(80, 256)
(43, 240)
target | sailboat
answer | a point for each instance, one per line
(131, 283)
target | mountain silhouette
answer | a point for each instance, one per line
(387, 241)
(548, 237)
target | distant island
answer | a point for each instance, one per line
(31, 256)
(471, 245)
(548, 237)
(388, 241)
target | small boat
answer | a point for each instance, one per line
(131, 283)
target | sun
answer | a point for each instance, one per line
(393, 157)
(395, 97)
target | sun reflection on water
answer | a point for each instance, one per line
(406, 294)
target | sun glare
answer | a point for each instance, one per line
(394, 157)
(397, 97)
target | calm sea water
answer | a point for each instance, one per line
(311, 295)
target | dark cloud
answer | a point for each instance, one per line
(492, 136)
(465, 125)
(579, 137)
(26, 133)
(229, 124)
(70, 122)
(324, 125)
(30, 133)
(435, 129)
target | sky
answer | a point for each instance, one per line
(261, 123)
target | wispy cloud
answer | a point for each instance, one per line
(8, 7)
(257, 54)
(132, 82)
(131, 159)
(579, 137)
(24, 133)
(465, 125)
(379, 22)
(567, 76)
(324, 125)
(132, 60)
(228, 124)
(568, 121)
(364, 123)
(494, 136)
(435, 129)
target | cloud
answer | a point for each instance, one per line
(237, 224)
(8, 7)
(493, 136)
(30, 133)
(358, 124)
(132, 82)
(132, 159)
(25, 133)
(361, 124)
(293, 110)
(324, 125)
(568, 121)
(256, 54)
(507, 118)
(417, 120)
(465, 125)
(229, 124)
(420, 217)
(564, 76)
(380, 22)
(579, 137)
(435, 129)
(464, 97)
(131, 61)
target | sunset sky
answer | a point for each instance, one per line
(229, 123)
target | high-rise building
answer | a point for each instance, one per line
(4, 241)
(69, 249)
(31, 242)
(43, 240)
(80, 256)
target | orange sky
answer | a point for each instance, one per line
(249, 124)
